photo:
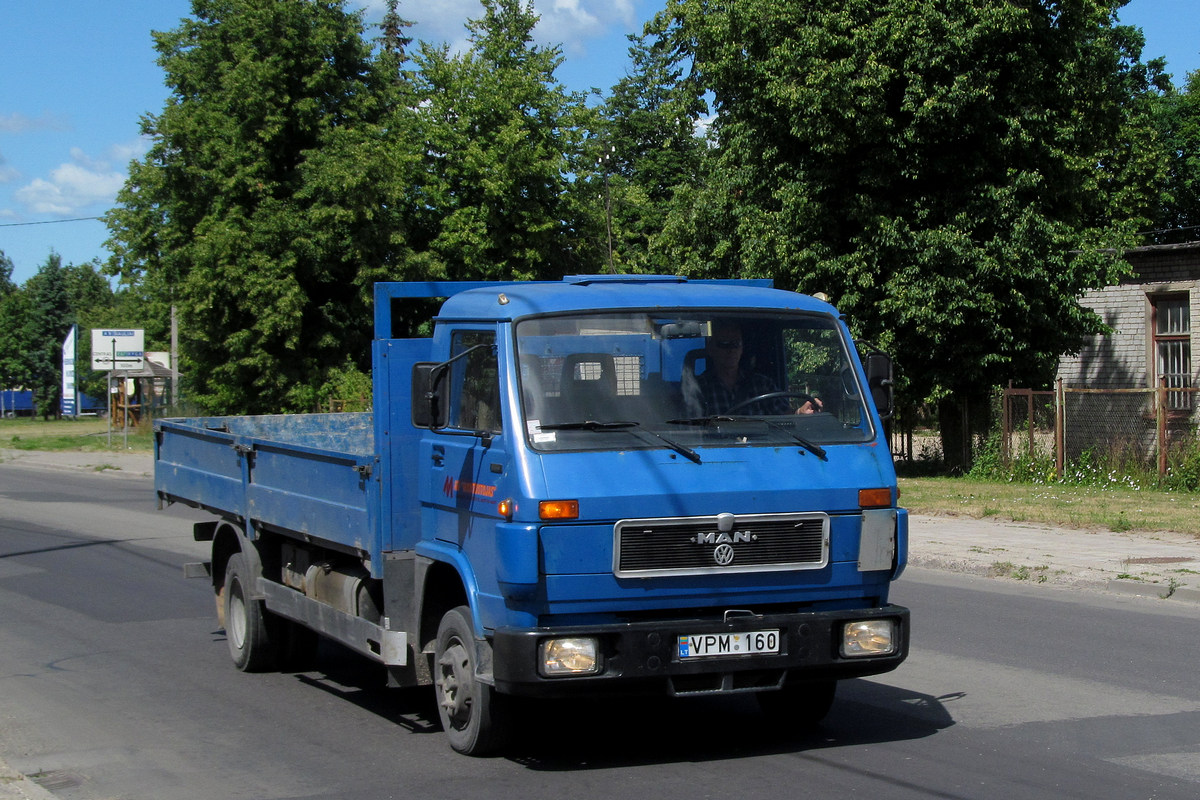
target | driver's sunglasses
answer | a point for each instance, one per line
(729, 344)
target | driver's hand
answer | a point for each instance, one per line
(811, 406)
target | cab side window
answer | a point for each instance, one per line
(475, 382)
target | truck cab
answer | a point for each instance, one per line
(622, 516)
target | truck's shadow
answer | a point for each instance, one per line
(581, 734)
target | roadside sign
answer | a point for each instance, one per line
(118, 348)
(70, 399)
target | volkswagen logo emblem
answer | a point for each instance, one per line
(723, 555)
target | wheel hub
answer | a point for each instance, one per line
(455, 681)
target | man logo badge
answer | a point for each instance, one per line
(723, 555)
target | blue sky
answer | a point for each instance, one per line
(76, 76)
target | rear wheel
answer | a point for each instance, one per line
(248, 626)
(798, 705)
(467, 708)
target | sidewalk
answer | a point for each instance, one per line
(127, 463)
(1159, 564)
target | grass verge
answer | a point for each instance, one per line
(1111, 508)
(88, 435)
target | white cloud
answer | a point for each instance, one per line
(23, 123)
(130, 151)
(77, 184)
(7, 174)
(569, 23)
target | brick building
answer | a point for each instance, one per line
(1150, 314)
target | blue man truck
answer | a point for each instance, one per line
(549, 499)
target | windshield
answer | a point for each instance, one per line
(642, 380)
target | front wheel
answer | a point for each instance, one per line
(466, 707)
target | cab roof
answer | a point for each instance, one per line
(478, 301)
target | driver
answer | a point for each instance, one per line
(725, 383)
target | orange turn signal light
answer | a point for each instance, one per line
(558, 509)
(875, 498)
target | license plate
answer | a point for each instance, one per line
(706, 645)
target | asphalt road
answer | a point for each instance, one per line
(115, 683)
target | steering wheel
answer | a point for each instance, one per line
(806, 398)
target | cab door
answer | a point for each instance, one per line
(467, 459)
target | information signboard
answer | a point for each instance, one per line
(117, 349)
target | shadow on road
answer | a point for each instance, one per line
(563, 735)
(351, 677)
(586, 735)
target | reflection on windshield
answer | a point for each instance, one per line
(702, 379)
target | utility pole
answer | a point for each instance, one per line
(604, 162)
(112, 398)
(174, 359)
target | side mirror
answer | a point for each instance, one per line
(428, 408)
(881, 383)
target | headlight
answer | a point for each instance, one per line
(574, 656)
(869, 637)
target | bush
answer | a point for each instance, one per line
(1183, 468)
(347, 389)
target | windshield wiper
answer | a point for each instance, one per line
(628, 426)
(811, 447)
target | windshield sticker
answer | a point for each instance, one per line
(540, 436)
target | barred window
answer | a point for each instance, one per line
(1173, 347)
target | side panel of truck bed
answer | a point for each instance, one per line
(307, 474)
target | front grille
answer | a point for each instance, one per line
(724, 543)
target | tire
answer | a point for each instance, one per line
(798, 706)
(248, 626)
(467, 708)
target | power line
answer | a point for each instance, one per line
(46, 222)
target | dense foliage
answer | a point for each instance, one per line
(953, 175)
(1177, 114)
(946, 172)
(215, 215)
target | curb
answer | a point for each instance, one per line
(100, 462)
(15, 786)
(1156, 590)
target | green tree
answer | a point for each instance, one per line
(47, 319)
(88, 290)
(12, 315)
(501, 138)
(1177, 114)
(7, 286)
(359, 188)
(945, 171)
(217, 219)
(648, 145)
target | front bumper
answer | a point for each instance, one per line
(643, 656)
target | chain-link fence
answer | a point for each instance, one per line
(1119, 429)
